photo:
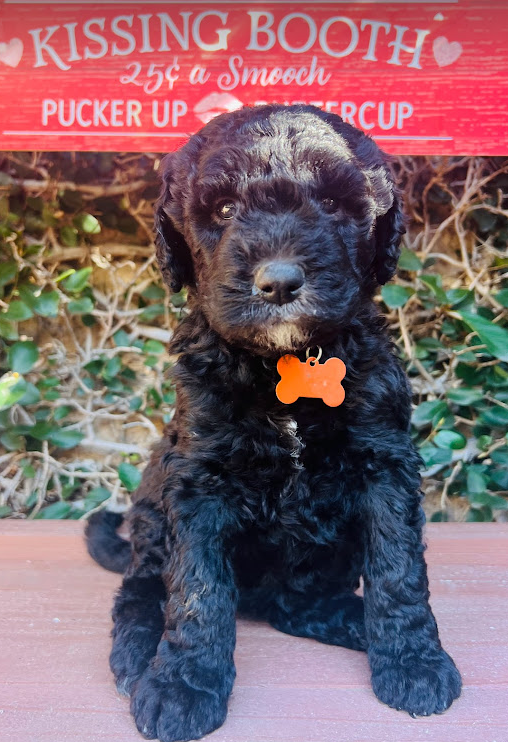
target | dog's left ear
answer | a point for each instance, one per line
(173, 253)
(389, 225)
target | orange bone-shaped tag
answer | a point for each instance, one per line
(310, 379)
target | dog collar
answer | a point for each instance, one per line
(311, 379)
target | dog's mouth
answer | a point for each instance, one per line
(276, 330)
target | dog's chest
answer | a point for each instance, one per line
(292, 439)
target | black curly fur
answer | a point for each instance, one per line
(251, 505)
(103, 542)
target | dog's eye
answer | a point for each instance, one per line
(329, 203)
(226, 210)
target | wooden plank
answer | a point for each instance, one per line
(56, 686)
(421, 77)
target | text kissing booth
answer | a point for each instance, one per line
(419, 77)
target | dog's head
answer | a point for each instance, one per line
(281, 221)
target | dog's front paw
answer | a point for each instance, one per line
(172, 710)
(128, 661)
(419, 685)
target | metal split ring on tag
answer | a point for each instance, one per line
(314, 359)
(311, 379)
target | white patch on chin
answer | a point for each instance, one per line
(285, 336)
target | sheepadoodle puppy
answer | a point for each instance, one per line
(280, 481)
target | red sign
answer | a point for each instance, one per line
(420, 77)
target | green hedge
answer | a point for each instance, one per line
(84, 322)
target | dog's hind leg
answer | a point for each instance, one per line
(139, 604)
(327, 617)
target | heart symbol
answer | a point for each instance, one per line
(446, 52)
(11, 53)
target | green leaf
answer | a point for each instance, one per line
(64, 274)
(500, 456)
(480, 499)
(42, 413)
(94, 367)
(153, 292)
(12, 441)
(476, 480)
(46, 305)
(434, 283)
(28, 470)
(428, 411)
(502, 297)
(48, 382)
(409, 260)
(12, 389)
(465, 396)
(121, 338)
(432, 455)
(484, 442)
(135, 403)
(457, 296)
(153, 346)
(112, 367)
(8, 272)
(395, 296)
(151, 312)
(42, 430)
(449, 439)
(130, 477)
(77, 281)
(475, 516)
(61, 412)
(440, 517)
(96, 496)
(65, 438)
(492, 335)
(58, 510)
(179, 300)
(69, 236)
(169, 397)
(495, 416)
(500, 479)
(8, 330)
(22, 356)
(27, 293)
(17, 311)
(31, 396)
(84, 305)
(87, 223)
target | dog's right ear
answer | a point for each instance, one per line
(173, 253)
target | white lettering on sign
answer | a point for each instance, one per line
(92, 36)
(264, 36)
(182, 37)
(416, 50)
(119, 27)
(367, 115)
(115, 27)
(171, 111)
(239, 74)
(295, 33)
(86, 112)
(353, 43)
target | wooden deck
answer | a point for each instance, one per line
(55, 685)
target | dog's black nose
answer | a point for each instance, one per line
(279, 282)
